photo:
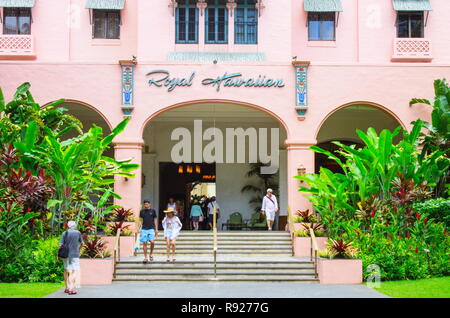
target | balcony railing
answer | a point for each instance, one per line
(412, 49)
(12, 45)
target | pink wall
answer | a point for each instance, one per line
(356, 68)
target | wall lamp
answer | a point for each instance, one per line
(301, 171)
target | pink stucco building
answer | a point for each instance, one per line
(315, 69)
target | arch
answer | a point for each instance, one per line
(217, 101)
(75, 101)
(362, 103)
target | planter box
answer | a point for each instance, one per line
(302, 245)
(339, 271)
(96, 271)
(131, 225)
(126, 245)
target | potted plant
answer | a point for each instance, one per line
(302, 239)
(338, 263)
(123, 215)
(127, 239)
(303, 217)
(96, 265)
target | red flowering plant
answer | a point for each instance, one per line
(93, 247)
(112, 229)
(122, 215)
(339, 249)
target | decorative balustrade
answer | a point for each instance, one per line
(16, 45)
(412, 49)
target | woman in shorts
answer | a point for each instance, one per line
(172, 227)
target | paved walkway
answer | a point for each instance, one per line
(222, 290)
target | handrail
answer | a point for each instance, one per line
(314, 248)
(291, 229)
(136, 238)
(215, 240)
(116, 252)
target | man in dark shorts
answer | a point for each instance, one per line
(149, 228)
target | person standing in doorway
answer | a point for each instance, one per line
(213, 203)
(72, 239)
(172, 204)
(269, 208)
(196, 214)
(149, 229)
(172, 227)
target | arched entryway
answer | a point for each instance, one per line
(342, 123)
(165, 177)
(88, 116)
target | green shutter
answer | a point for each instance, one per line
(412, 5)
(17, 3)
(105, 4)
(322, 5)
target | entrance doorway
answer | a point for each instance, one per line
(231, 175)
(186, 183)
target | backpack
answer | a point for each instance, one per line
(63, 251)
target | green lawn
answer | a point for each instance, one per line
(28, 290)
(422, 288)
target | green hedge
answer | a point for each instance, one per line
(438, 209)
(35, 263)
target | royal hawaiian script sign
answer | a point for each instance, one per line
(162, 78)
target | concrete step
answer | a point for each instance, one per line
(221, 249)
(210, 270)
(226, 241)
(308, 279)
(224, 246)
(247, 267)
(209, 262)
(233, 252)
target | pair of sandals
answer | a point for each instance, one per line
(173, 260)
(70, 292)
(146, 260)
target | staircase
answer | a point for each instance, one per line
(243, 256)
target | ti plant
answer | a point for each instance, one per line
(339, 249)
(122, 215)
(112, 229)
(304, 217)
(93, 247)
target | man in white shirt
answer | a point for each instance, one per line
(211, 206)
(269, 208)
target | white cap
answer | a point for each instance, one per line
(269, 190)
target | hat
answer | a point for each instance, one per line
(169, 210)
(269, 190)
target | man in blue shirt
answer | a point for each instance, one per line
(149, 229)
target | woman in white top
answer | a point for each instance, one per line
(172, 204)
(172, 227)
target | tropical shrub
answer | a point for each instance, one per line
(438, 209)
(16, 242)
(438, 137)
(122, 215)
(112, 229)
(304, 217)
(93, 247)
(44, 264)
(260, 185)
(339, 249)
(374, 202)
